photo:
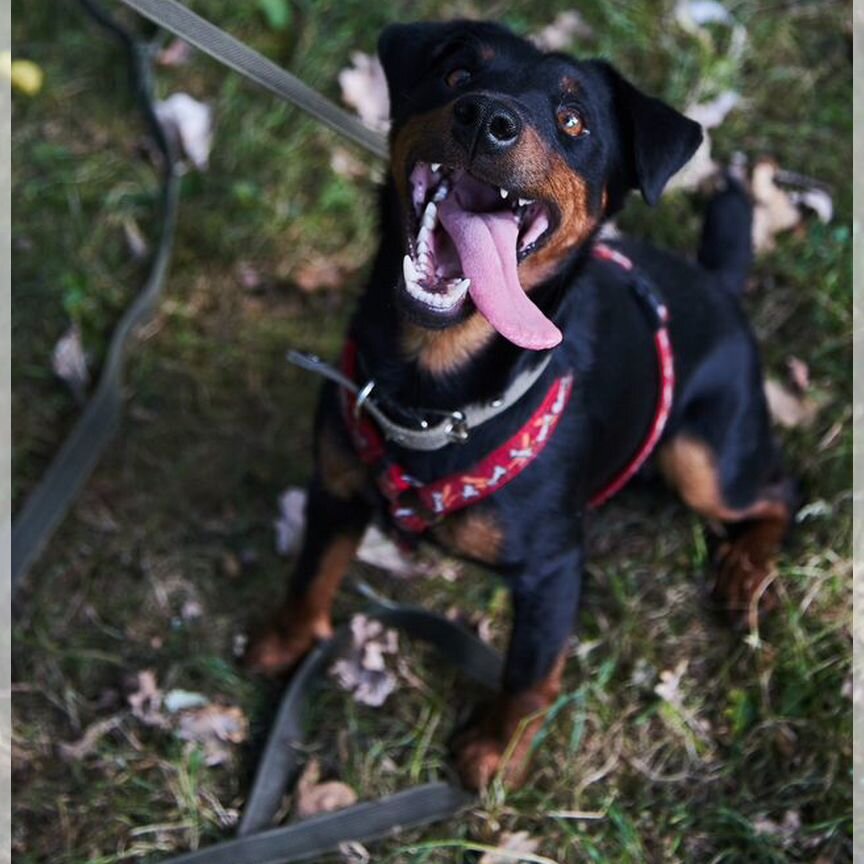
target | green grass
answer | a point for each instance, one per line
(217, 425)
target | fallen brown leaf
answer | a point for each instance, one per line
(510, 847)
(70, 363)
(364, 671)
(146, 701)
(215, 727)
(314, 797)
(93, 734)
(564, 29)
(364, 88)
(320, 274)
(788, 409)
(774, 211)
(799, 374)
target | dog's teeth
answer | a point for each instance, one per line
(430, 216)
(409, 270)
(462, 285)
(441, 192)
(503, 192)
(436, 167)
(525, 201)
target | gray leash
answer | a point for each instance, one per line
(48, 504)
(214, 41)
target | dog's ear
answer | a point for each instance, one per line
(404, 50)
(657, 139)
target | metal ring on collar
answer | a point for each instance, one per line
(364, 393)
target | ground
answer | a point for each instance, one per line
(169, 555)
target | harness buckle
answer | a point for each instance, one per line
(456, 429)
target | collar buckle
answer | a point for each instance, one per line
(456, 428)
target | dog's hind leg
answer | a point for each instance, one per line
(754, 512)
(726, 246)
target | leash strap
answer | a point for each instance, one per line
(212, 40)
(47, 505)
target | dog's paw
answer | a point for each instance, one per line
(495, 746)
(279, 648)
(744, 586)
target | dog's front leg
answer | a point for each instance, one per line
(334, 528)
(498, 742)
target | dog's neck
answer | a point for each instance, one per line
(469, 362)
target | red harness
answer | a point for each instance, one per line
(416, 506)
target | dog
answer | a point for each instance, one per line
(508, 370)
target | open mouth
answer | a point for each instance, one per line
(467, 240)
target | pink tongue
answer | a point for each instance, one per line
(486, 243)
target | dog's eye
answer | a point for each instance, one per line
(457, 77)
(572, 123)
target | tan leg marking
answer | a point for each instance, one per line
(474, 534)
(300, 624)
(499, 744)
(343, 475)
(746, 563)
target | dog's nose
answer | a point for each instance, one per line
(482, 124)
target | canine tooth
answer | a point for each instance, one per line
(409, 270)
(442, 192)
(503, 192)
(463, 284)
(436, 167)
(525, 201)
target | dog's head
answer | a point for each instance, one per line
(505, 160)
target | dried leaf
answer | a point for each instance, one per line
(291, 522)
(70, 364)
(513, 846)
(146, 701)
(789, 409)
(190, 123)
(774, 210)
(93, 734)
(711, 114)
(561, 33)
(176, 53)
(346, 164)
(137, 243)
(364, 671)
(669, 688)
(320, 274)
(817, 200)
(699, 168)
(364, 88)
(799, 374)
(314, 797)
(704, 12)
(182, 700)
(784, 831)
(378, 550)
(215, 727)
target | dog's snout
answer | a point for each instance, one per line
(483, 124)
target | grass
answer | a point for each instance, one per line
(180, 510)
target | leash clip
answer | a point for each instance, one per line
(457, 428)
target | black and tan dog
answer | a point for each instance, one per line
(490, 290)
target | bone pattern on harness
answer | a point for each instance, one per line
(416, 506)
